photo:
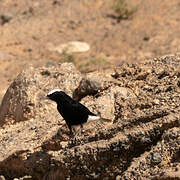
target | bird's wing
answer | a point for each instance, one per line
(80, 108)
(77, 107)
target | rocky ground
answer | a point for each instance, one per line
(31, 30)
(142, 141)
(142, 100)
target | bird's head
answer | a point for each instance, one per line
(55, 94)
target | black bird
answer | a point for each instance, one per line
(73, 112)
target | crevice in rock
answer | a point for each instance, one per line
(102, 135)
(176, 157)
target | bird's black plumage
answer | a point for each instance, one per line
(74, 113)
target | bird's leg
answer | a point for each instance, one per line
(71, 132)
(71, 138)
(79, 132)
(70, 128)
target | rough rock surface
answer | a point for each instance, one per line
(24, 98)
(141, 142)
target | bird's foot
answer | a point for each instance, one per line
(76, 136)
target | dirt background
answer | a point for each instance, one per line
(29, 28)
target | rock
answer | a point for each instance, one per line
(156, 158)
(156, 101)
(178, 83)
(64, 144)
(24, 98)
(86, 87)
(142, 76)
(162, 73)
(118, 177)
(143, 167)
(170, 173)
(25, 178)
(141, 142)
(70, 47)
(104, 103)
(2, 178)
(5, 18)
(93, 83)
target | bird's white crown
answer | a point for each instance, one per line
(54, 90)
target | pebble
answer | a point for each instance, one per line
(156, 158)
(64, 144)
(156, 101)
(2, 178)
(26, 177)
(118, 177)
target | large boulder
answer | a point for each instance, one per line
(24, 98)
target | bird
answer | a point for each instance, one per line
(73, 112)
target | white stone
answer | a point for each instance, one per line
(64, 144)
(70, 47)
(2, 178)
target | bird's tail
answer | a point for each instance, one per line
(92, 118)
